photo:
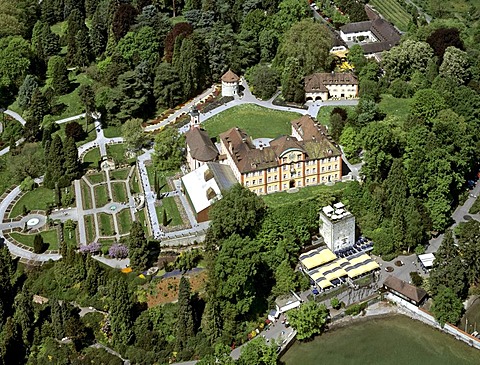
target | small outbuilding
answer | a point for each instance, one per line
(287, 302)
(230, 82)
(405, 290)
(426, 261)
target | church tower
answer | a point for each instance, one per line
(194, 118)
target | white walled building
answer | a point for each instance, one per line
(337, 227)
(327, 85)
(230, 83)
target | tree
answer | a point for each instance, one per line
(87, 97)
(72, 163)
(442, 38)
(404, 59)
(38, 244)
(168, 149)
(240, 211)
(426, 104)
(335, 303)
(83, 53)
(308, 320)
(75, 22)
(292, 81)
(98, 33)
(309, 42)
(182, 30)
(121, 306)
(26, 91)
(285, 278)
(55, 163)
(138, 46)
(123, 19)
(133, 135)
(185, 325)
(263, 80)
(258, 352)
(168, 90)
(447, 307)
(356, 57)
(75, 131)
(289, 13)
(455, 65)
(138, 247)
(57, 74)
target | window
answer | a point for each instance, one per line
(284, 176)
(313, 179)
(260, 190)
(336, 166)
(298, 165)
(308, 171)
(329, 167)
(299, 157)
(275, 188)
(247, 183)
(284, 186)
(314, 170)
(260, 181)
(276, 177)
(299, 183)
(269, 179)
(254, 182)
(323, 168)
(299, 173)
(308, 180)
(284, 160)
(269, 188)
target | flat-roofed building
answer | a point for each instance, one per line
(204, 186)
(337, 227)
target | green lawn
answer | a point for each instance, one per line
(89, 228)
(86, 195)
(310, 192)
(70, 237)
(323, 115)
(134, 186)
(106, 224)
(50, 237)
(37, 199)
(117, 152)
(395, 107)
(96, 178)
(172, 212)
(141, 216)
(162, 177)
(124, 220)
(92, 158)
(121, 174)
(7, 178)
(257, 121)
(119, 191)
(475, 209)
(393, 12)
(101, 195)
(112, 131)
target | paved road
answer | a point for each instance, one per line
(70, 119)
(16, 116)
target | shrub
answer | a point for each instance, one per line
(417, 280)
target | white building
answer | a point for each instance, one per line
(327, 85)
(230, 83)
(337, 227)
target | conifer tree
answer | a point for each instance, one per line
(138, 247)
(72, 163)
(185, 324)
(55, 163)
(58, 75)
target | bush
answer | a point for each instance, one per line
(335, 303)
(417, 280)
(27, 184)
(356, 309)
(38, 245)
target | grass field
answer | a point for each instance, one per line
(134, 186)
(257, 121)
(141, 216)
(86, 195)
(37, 199)
(309, 192)
(106, 224)
(70, 237)
(89, 228)
(101, 195)
(395, 107)
(162, 178)
(49, 237)
(117, 152)
(119, 191)
(121, 174)
(172, 212)
(112, 131)
(124, 220)
(323, 115)
(92, 157)
(96, 178)
(394, 12)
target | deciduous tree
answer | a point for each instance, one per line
(309, 319)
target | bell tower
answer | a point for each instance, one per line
(194, 118)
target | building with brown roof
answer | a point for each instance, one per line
(374, 36)
(200, 148)
(405, 290)
(307, 157)
(328, 85)
(230, 83)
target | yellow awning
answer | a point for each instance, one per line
(324, 284)
(312, 260)
(358, 259)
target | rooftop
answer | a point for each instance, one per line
(337, 212)
(201, 146)
(230, 76)
(406, 289)
(319, 80)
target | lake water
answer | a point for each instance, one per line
(392, 340)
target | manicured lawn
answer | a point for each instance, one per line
(257, 121)
(89, 228)
(395, 107)
(86, 195)
(112, 131)
(393, 11)
(101, 195)
(162, 177)
(119, 192)
(70, 237)
(50, 237)
(117, 152)
(173, 213)
(121, 174)
(37, 199)
(96, 178)
(92, 157)
(306, 193)
(475, 209)
(124, 220)
(134, 186)
(323, 115)
(106, 224)
(141, 216)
